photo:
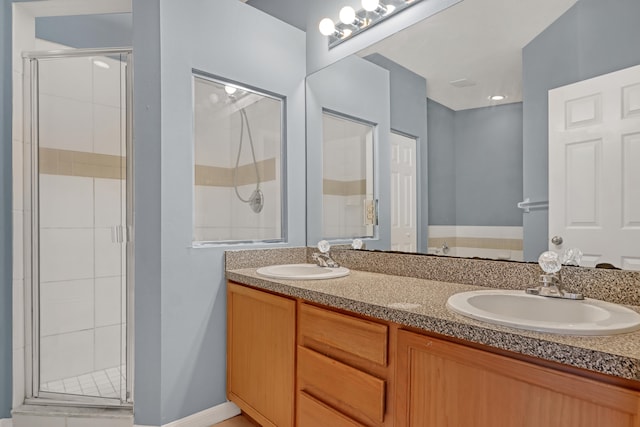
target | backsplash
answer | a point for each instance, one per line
(622, 287)
(254, 258)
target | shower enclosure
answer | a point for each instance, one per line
(79, 206)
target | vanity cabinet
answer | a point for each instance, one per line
(290, 362)
(443, 384)
(343, 369)
(261, 334)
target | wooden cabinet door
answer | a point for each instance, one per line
(442, 384)
(261, 354)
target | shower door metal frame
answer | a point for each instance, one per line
(32, 233)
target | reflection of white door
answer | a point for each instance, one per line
(403, 194)
(594, 172)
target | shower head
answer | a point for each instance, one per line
(256, 201)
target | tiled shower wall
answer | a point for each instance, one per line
(219, 214)
(82, 199)
(344, 173)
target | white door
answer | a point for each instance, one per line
(594, 168)
(403, 194)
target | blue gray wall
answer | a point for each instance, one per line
(147, 207)
(408, 105)
(6, 239)
(593, 37)
(488, 153)
(442, 165)
(180, 291)
(359, 89)
(475, 165)
(293, 12)
(87, 31)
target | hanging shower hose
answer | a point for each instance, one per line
(256, 199)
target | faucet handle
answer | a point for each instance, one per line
(324, 246)
(549, 261)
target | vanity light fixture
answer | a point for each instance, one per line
(328, 28)
(352, 22)
(348, 16)
(377, 7)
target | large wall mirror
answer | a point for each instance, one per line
(482, 162)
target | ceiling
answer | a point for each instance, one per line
(477, 40)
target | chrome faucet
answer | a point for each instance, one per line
(324, 260)
(551, 285)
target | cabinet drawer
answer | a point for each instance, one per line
(359, 337)
(313, 413)
(339, 384)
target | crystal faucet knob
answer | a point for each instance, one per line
(324, 246)
(571, 256)
(550, 262)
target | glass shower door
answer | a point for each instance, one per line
(80, 221)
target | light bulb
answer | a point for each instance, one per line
(230, 90)
(347, 15)
(327, 27)
(497, 97)
(370, 5)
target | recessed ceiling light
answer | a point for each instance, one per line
(497, 97)
(101, 64)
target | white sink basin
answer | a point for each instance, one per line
(302, 272)
(520, 310)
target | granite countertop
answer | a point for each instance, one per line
(421, 304)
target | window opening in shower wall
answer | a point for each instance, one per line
(238, 178)
(80, 190)
(348, 200)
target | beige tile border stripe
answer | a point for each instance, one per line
(214, 176)
(53, 161)
(477, 242)
(344, 188)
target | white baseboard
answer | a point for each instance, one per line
(205, 418)
(6, 423)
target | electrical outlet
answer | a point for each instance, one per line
(370, 212)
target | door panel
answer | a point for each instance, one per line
(404, 230)
(594, 183)
(79, 135)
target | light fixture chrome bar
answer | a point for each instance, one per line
(364, 19)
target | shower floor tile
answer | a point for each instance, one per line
(103, 383)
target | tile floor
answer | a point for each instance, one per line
(104, 383)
